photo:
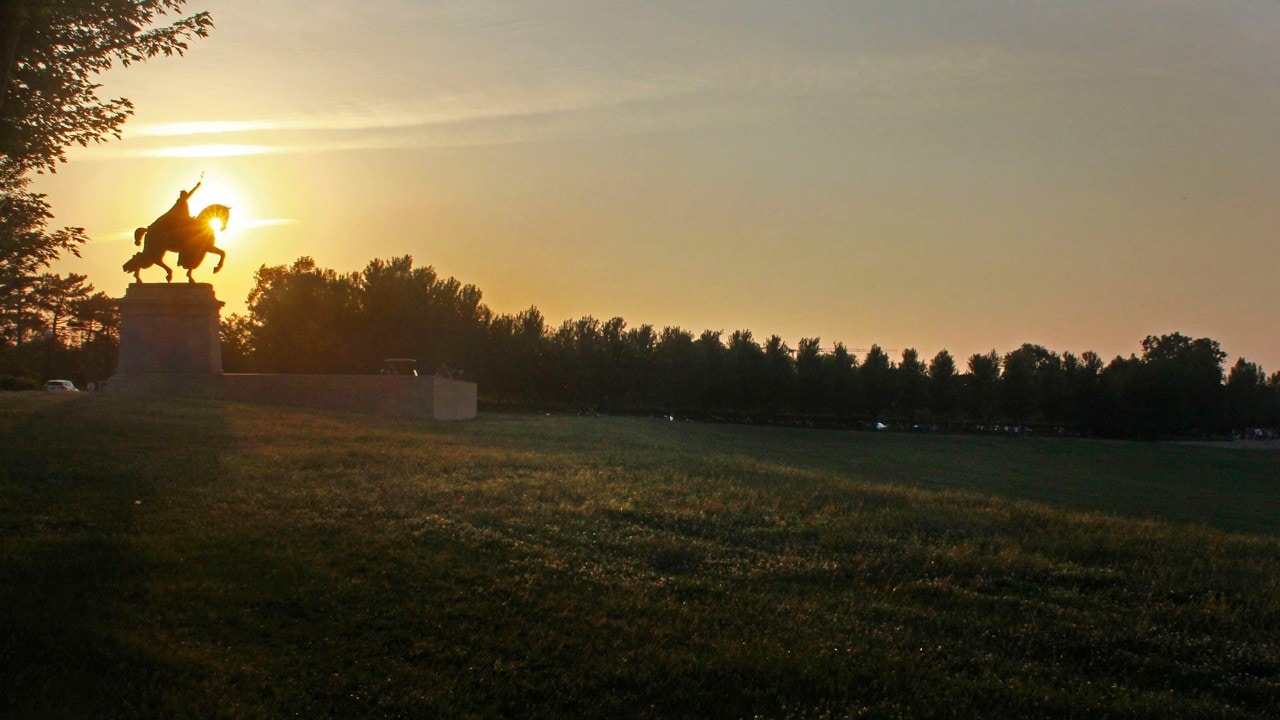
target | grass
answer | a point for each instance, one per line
(177, 558)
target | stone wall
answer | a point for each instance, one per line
(395, 395)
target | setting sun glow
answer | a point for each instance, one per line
(222, 188)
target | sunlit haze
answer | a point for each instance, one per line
(968, 176)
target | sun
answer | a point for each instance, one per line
(224, 189)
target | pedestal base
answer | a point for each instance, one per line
(169, 340)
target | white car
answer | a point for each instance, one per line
(60, 386)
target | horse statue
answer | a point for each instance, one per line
(192, 238)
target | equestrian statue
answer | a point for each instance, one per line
(177, 231)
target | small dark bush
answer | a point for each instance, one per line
(9, 382)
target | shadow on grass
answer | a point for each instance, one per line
(62, 658)
(69, 560)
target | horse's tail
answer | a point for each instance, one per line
(137, 235)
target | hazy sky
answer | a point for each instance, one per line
(966, 176)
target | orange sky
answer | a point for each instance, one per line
(897, 173)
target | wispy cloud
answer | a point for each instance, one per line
(206, 150)
(201, 127)
(450, 109)
(495, 118)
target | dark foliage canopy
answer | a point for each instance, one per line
(53, 49)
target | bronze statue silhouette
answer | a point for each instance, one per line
(176, 231)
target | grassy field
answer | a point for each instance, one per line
(174, 558)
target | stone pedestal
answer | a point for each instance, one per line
(169, 340)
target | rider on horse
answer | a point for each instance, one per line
(178, 215)
(177, 231)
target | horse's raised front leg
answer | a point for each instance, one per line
(222, 257)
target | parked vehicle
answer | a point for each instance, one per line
(400, 366)
(60, 386)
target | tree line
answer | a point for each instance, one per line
(58, 326)
(306, 319)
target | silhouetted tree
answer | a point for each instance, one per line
(395, 315)
(305, 320)
(461, 321)
(515, 366)
(944, 387)
(1271, 411)
(94, 316)
(876, 373)
(1247, 395)
(911, 385)
(578, 352)
(677, 359)
(1084, 403)
(640, 367)
(712, 374)
(46, 315)
(744, 366)
(235, 334)
(26, 249)
(1117, 416)
(1030, 385)
(615, 385)
(1177, 386)
(54, 298)
(982, 387)
(96, 327)
(778, 376)
(843, 383)
(1051, 384)
(811, 377)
